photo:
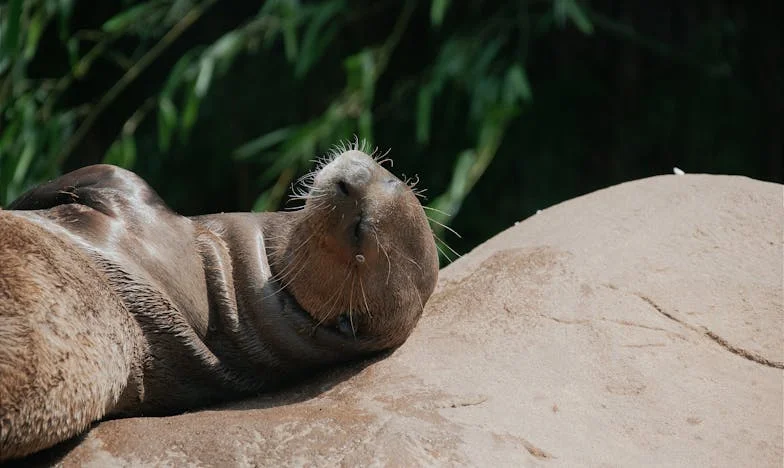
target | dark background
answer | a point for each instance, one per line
(612, 91)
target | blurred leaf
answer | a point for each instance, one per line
(122, 152)
(458, 188)
(485, 94)
(264, 142)
(73, 51)
(277, 193)
(262, 203)
(424, 107)
(290, 38)
(167, 120)
(314, 41)
(126, 18)
(366, 124)
(206, 67)
(486, 55)
(570, 9)
(65, 9)
(23, 164)
(177, 74)
(189, 113)
(225, 49)
(437, 11)
(516, 85)
(34, 29)
(11, 27)
(361, 69)
(452, 59)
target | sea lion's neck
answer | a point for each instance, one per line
(250, 307)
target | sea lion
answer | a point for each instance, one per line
(113, 304)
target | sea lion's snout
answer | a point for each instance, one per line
(372, 260)
(353, 174)
(358, 191)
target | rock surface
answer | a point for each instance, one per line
(637, 325)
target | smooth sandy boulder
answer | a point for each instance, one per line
(637, 325)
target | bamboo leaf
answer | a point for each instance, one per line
(486, 55)
(23, 164)
(459, 186)
(438, 11)
(263, 142)
(190, 113)
(516, 85)
(262, 203)
(73, 51)
(122, 152)
(366, 124)
(289, 28)
(360, 69)
(206, 68)
(124, 19)
(13, 21)
(167, 120)
(225, 49)
(65, 9)
(178, 73)
(579, 18)
(314, 42)
(424, 108)
(34, 29)
(570, 9)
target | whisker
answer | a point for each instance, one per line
(443, 253)
(364, 297)
(436, 210)
(389, 263)
(416, 290)
(377, 155)
(445, 227)
(407, 257)
(335, 297)
(447, 245)
(350, 306)
(284, 281)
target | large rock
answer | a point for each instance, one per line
(637, 325)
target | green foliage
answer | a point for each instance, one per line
(39, 135)
(32, 130)
(466, 95)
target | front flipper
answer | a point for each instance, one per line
(104, 188)
(80, 187)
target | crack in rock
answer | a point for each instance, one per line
(464, 403)
(744, 353)
(566, 321)
(536, 451)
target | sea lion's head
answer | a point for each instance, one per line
(360, 257)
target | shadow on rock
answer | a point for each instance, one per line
(305, 389)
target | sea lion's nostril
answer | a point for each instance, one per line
(343, 187)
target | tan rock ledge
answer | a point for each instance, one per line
(637, 325)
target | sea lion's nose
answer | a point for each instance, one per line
(343, 188)
(355, 176)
